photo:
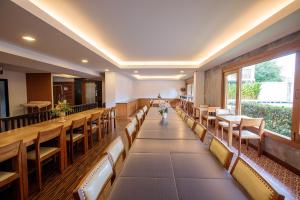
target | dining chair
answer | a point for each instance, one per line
(221, 152)
(112, 117)
(94, 127)
(190, 122)
(77, 133)
(130, 133)
(44, 150)
(252, 182)
(116, 151)
(222, 124)
(209, 115)
(13, 152)
(139, 117)
(200, 131)
(105, 120)
(97, 182)
(145, 109)
(136, 123)
(183, 115)
(244, 132)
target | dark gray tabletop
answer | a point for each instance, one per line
(167, 146)
(166, 161)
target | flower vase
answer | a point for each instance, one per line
(165, 115)
(62, 116)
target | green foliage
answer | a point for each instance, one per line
(61, 107)
(250, 90)
(231, 90)
(267, 72)
(278, 119)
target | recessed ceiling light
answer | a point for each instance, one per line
(84, 61)
(181, 71)
(107, 70)
(136, 71)
(28, 38)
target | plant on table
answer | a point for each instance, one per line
(61, 109)
(163, 109)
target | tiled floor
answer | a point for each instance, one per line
(287, 182)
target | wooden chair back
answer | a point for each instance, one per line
(94, 183)
(47, 135)
(253, 122)
(190, 122)
(252, 182)
(95, 117)
(10, 151)
(112, 112)
(212, 110)
(221, 152)
(130, 133)
(77, 123)
(200, 130)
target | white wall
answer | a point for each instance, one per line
(17, 91)
(151, 89)
(118, 88)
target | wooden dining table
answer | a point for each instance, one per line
(28, 135)
(167, 161)
(231, 120)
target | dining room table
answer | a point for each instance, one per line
(167, 161)
(28, 135)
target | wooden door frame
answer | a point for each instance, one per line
(6, 95)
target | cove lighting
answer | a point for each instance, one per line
(171, 77)
(65, 76)
(28, 38)
(103, 51)
(84, 61)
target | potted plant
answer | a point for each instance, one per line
(61, 109)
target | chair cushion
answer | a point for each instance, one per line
(252, 182)
(130, 129)
(44, 151)
(199, 130)
(76, 136)
(190, 122)
(6, 175)
(95, 182)
(221, 152)
(115, 149)
(226, 125)
(247, 134)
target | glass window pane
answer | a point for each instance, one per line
(231, 83)
(267, 91)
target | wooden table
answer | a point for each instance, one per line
(29, 134)
(165, 162)
(231, 120)
(201, 109)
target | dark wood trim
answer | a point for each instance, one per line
(6, 96)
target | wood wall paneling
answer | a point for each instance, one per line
(63, 90)
(39, 87)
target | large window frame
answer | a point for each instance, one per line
(294, 140)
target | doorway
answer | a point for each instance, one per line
(4, 103)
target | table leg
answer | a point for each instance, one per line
(64, 148)
(230, 134)
(217, 127)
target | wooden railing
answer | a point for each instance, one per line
(10, 123)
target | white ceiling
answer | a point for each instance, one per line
(163, 36)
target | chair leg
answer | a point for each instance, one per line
(240, 146)
(39, 174)
(247, 144)
(222, 132)
(259, 148)
(71, 152)
(115, 123)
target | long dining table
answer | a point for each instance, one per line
(28, 135)
(168, 161)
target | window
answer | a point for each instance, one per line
(267, 91)
(231, 91)
(189, 91)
